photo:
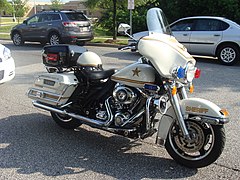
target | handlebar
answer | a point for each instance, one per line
(131, 46)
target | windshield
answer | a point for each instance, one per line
(76, 16)
(157, 21)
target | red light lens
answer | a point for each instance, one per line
(52, 57)
(197, 73)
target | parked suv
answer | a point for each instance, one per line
(53, 27)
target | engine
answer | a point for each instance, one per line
(125, 99)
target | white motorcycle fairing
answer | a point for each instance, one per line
(164, 52)
(200, 110)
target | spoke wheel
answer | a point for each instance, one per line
(205, 146)
(17, 39)
(54, 39)
(65, 121)
(228, 54)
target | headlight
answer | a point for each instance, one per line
(188, 73)
(6, 53)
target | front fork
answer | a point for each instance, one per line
(176, 106)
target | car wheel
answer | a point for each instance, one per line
(17, 39)
(54, 39)
(228, 54)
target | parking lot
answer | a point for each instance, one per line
(32, 146)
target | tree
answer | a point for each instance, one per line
(5, 6)
(114, 12)
(20, 8)
(110, 7)
(56, 4)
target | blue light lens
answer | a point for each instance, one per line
(180, 73)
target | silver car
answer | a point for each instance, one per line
(211, 36)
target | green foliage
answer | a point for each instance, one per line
(20, 8)
(176, 9)
(5, 6)
(173, 9)
(56, 4)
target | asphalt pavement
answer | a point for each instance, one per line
(32, 146)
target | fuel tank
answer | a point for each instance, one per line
(135, 75)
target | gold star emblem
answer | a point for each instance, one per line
(136, 72)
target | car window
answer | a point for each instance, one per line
(210, 25)
(184, 25)
(48, 17)
(76, 16)
(33, 19)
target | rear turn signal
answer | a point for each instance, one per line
(197, 73)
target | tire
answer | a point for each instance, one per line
(206, 144)
(54, 39)
(65, 122)
(228, 54)
(17, 39)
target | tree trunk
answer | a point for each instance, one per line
(114, 19)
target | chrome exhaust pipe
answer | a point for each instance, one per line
(82, 118)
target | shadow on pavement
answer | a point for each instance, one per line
(34, 143)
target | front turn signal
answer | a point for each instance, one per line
(191, 88)
(174, 90)
(224, 112)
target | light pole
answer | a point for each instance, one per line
(35, 9)
(14, 17)
(130, 7)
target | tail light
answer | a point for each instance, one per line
(52, 57)
(69, 24)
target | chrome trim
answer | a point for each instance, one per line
(177, 109)
(73, 115)
(210, 120)
(148, 113)
(130, 120)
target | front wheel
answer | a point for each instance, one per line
(65, 121)
(17, 39)
(206, 144)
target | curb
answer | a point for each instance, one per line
(103, 45)
(88, 44)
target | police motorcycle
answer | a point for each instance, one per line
(77, 90)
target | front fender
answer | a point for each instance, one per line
(204, 109)
(199, 109)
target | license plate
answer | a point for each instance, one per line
(83, 29)
(48, 82)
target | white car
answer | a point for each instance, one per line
(7, 65)
(211, 36)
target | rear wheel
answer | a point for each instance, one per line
(65, 121)
(206, 144)
(17, 39)
(54, 39)
(228, 54)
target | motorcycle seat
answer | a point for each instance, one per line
(98, 75)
